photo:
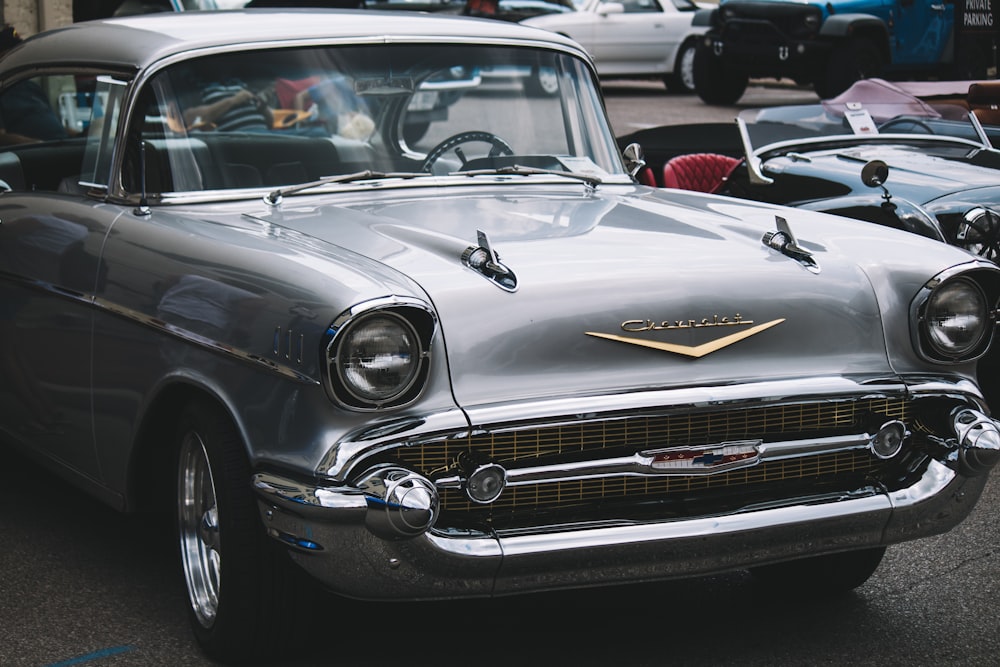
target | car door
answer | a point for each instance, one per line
(51, 236)
(921, 31)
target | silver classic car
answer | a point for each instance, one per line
(478, 361)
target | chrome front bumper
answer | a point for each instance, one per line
(329, 532)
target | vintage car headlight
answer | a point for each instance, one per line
(378, 358)
(956, 322)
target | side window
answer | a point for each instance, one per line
(43, 121)
(101, 130)
(641, 6)
(28, 111)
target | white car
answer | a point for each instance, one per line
(633, 38)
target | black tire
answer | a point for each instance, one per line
(820, 576)
(714, 82)
(849, 62)
(242, 611)
(681, 80)
(542, 82)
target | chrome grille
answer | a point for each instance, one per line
(636, 433)
(617, 435)
(567, 494)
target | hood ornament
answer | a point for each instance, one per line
(784, 242)
(484, 259)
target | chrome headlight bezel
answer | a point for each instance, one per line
(955, 320)
(979, 231)
(377, 355)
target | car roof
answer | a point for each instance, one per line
(131, 43)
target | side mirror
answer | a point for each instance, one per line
(606, 8)
(875, 173)
(634, 160)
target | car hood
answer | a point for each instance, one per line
(638, 289)
(915, 175)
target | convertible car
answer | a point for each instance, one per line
(880, 152)
(482, 362)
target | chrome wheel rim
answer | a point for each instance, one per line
(687, 67)
(198, 518)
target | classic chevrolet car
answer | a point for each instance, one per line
(877, 152)
(483, 362)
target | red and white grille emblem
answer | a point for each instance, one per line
(705, 459)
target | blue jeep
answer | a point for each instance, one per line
(831, 44)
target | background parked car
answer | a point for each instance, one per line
(633, 38)
(832, 44)
(875, 152)
(515, 10)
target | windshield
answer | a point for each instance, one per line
(283, 117)
(852, 121)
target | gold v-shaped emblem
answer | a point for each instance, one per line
(696, 351)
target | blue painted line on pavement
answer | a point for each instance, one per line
(96, 655)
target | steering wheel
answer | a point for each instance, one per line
(912, 122)
(453, 143)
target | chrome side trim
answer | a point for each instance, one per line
(159, 325)
(205, 342)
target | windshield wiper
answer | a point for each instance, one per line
(592, 181)
(274, 198)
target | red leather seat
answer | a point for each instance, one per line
(703, 172)
(646, 177)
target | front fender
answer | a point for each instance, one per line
(705, 17)
(843, 25)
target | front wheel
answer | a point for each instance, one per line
(713, 81)
(826, 575)
(241, 589)
(681, 80)
(851, 61)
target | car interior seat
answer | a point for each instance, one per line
(984, 101)
(703, 172)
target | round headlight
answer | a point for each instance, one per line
(957, 319)
(378, 358)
